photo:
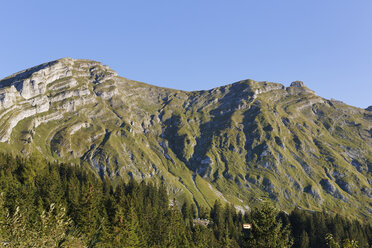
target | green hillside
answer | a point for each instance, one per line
(239, 143)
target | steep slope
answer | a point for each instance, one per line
(240, 142)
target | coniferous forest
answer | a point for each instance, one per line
(61, 205)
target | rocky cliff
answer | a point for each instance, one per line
(240, 143)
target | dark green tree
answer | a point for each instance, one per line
(177, 234)
(218, 221)
(304, 241)
(267, 231)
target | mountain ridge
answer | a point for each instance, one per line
(239, 142)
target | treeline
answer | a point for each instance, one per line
(58, 205)
(309, 229)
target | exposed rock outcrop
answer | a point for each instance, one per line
(313, 192)
(51, 86)
(297, 84)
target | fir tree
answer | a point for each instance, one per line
(304, 240)
(267, 231)
(132, 233)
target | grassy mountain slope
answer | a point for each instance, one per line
(239, 143)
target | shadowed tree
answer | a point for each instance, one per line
(267, 231)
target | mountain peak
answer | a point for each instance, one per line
(298, 84)
(66, 62)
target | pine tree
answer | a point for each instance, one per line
(132, 234)
(203, 237)
(187, 214)
(127, 229)
(347, 243)
(227, 242)
(267, 231)
(350, 243)
(331, 242)
(304, 240)
(218, 222)
(177, 236)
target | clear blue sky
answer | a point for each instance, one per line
(201, 44)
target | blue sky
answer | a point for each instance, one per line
(201, 44)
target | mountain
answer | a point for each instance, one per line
(240, 143)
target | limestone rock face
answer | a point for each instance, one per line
(297, 84)
(298, 88)
(327, 186)
(239, 142)
(312, 191)
(8, 96)
(51, 85)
